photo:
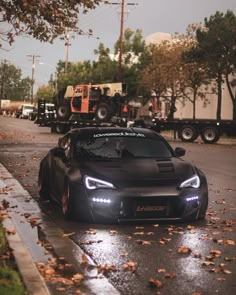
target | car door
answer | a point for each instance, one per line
(60, 163)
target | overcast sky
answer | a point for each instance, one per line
(168, 16)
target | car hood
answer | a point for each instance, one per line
(141, 171)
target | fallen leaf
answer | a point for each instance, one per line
(142, 242)
(77, 278)
(130, 266)
(184, 250)
(155, 283)
(171, 275)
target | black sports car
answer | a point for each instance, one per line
(118, 174)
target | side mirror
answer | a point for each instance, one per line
(179, 152)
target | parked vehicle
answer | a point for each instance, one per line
(24, 111)
(121, 174)
(83, 105)
(43, 111)
(99, 102)
(186, 127)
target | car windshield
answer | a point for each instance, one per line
(121, 147)
(28, 107)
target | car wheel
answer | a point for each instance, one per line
(187, 133)
(43, 185)
(103, 112)
(66, 202)
(210, 134)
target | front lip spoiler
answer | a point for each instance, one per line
(124, 220)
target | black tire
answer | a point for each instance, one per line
(210, 134)
(103, 112)
(63, 111)
(43, 184)
(187, 133)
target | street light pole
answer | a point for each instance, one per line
(32, 76)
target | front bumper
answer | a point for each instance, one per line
(153, 204)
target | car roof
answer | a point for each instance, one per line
(115, 131)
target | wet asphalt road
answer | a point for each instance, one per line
(154, 248)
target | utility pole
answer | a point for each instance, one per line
(123, 4)
(33, 57)
(121, 40)
(67, 44)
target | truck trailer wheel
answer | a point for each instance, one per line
(210, 134)
(103, 112)
(63, 111)
(187, 133)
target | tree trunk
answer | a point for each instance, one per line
(233, 98)
(219, 101)
(234, 109)
(172, 107)
(194, 104)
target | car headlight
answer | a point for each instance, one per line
(94, 183)
(193, 182)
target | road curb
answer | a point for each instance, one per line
(32, 279)
(34, 282)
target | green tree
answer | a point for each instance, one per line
(45, 92)
(216, 48)
(77, 73)
(12, 85)
(134, 57)
(104, 69)
(43, 20)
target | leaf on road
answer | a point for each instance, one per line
(184, 250)
(139, 233)
(130, 266)
(207, 263)
(155, 283)
(229, 242)
(215, 253)
(161, 270)
(91, 231)
(171, 275)
(77, 278)
(142, 242)
(230, 258)
(156, 225)
(113, 232)
(106, 268)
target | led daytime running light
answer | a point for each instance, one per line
(94, 183)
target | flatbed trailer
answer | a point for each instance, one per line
(189, 130)
(60, 126)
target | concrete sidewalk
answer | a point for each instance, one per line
(32, 279)
(27, 251)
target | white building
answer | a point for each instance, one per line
(185, 107)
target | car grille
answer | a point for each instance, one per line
(166, 207)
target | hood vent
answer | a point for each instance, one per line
(165, 166)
